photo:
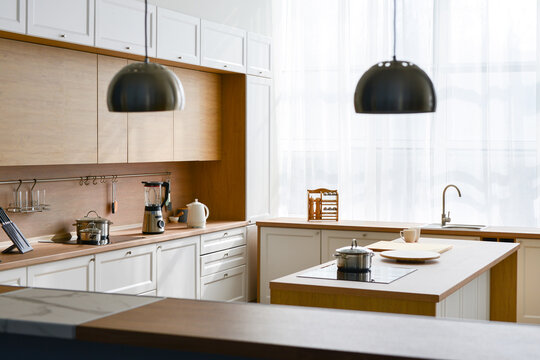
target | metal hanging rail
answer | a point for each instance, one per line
(82, 179)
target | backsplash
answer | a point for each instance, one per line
(69, 200)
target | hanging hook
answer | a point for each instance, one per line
(20, 183)
(95, 180)
(81, 182)
(33, 186)
(87, 181)
(115, 178)
(102, 179)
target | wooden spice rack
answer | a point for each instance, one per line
(323, 204)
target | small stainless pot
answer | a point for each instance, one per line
(101, 223)
(90, 236)
(353, 258)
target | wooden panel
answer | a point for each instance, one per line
(351, 302)
(150, 136)
(503, 284)
(49, 104)
(70, 201)
(528, 286)
(221, 184)
(197, 128)
(112, 126)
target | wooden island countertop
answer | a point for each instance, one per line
(417, 292)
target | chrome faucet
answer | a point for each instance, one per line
(444, 217)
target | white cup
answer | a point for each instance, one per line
(417, 233)
(409, 235)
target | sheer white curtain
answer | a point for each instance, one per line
(482, 57)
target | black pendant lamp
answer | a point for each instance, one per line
(145, 86)
(394, 87)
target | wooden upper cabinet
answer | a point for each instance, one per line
(223, 47)
(64, 20)
(13, 15)
(178, 37)
(112, 126)
(48, 104)
(259, 55)
(120, 26)
(197, 128)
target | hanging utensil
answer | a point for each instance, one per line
(114, 203)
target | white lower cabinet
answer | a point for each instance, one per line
(528, 285)
(178, 268)
(335, 239)
(228, 285)
(284, 251)
(70, 274)
(127, 271)
(13, 277)
(149, 293)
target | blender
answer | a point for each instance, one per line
(153, 202)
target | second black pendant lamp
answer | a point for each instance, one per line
(145, 86)
(394, 87)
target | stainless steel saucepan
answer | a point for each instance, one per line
(353, 258)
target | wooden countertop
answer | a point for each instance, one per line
(432, 281)
(289, 332)
(46, 252)
(387, 226)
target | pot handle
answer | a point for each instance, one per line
(354, 243)
(93, 211)
(207, 212)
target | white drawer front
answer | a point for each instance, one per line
(129, 271)
(222, 240)
(13, 277)
(228, 285)
(223, 260)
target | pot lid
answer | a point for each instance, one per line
(96, 219)
(152, 183)
(196, 202)
(353, 249)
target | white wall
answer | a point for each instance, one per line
(251, 15)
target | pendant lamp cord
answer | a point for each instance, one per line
(394, 57)
(146, 31)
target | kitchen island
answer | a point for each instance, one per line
(475, 280)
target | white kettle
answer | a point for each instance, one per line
(197, 214)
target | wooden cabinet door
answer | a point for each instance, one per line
(13, 15)
(13, 277)
(223, 47)
(178, 268)
(70, 274)
(178, 37)
(120, 26)
(112, 126)
(197, 128)
(48, 105)
(284, 251)
(259, 55)
(64, 20)
(258, 117)
(128, 271)
(335, 239)
(528, 285)
(228, 285)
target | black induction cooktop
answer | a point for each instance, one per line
(377, 274)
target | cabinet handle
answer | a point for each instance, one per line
(128, 47)
(225, 234)
(226, 254)
(159, 247)
(92, 260)
(62, 35)
(225, 275)
(128, 253)
(180, 57)
(225, 66)
(364, 235)
(260, 72)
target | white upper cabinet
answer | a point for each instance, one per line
(13, 15)
(120, 26)
(178, 37)
(65, 20)
(259, 113)
(259, 55)
(223, 47)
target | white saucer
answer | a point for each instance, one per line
(410, 255)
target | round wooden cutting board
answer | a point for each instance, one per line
(410, 255)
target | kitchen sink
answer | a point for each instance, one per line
(454, 227)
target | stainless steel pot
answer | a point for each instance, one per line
(100, 223)
(353, 258)
(90, 236)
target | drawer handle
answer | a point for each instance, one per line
(225, 255)
(62, 35)
(260, 72)
(225, 234)
(159, 247)
(128, 253)
(180, 57)
(364, 235)
(224, 65)
(225, 275)
(128, 47)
